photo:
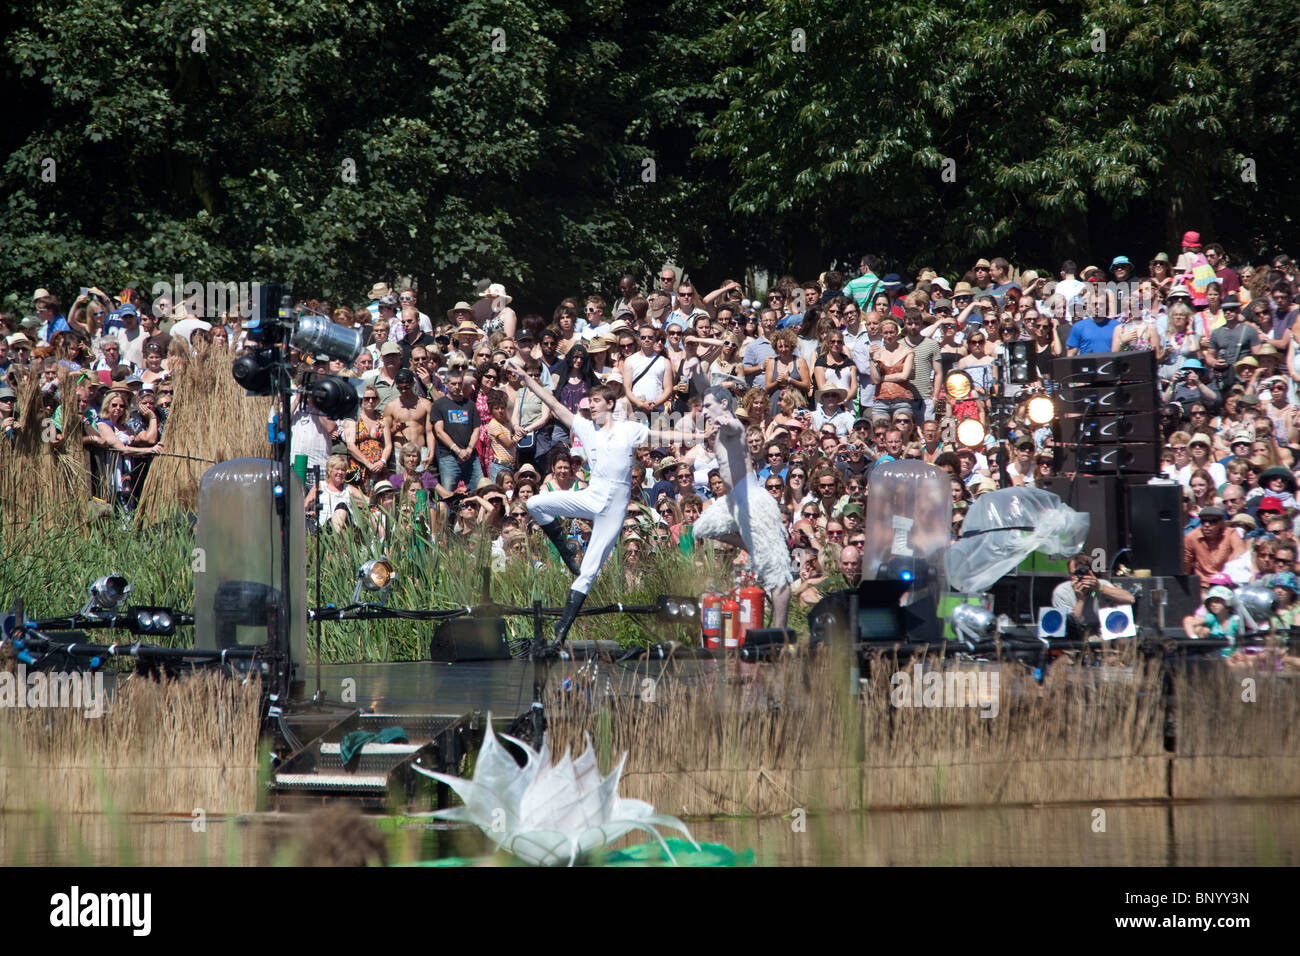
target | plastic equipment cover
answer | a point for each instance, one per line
(908, 522)
(1029, 519)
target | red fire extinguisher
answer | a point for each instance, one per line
(711, 618)
(751, 606)
(730, 623)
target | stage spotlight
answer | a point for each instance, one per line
(971, 432)
(958, 385)
(253, 371)
(317, 335)
(150, 621)
(1021, 368)
(106, 596)
(376, 576)
(1257, 603)
(1040, 410)
(973, 622)
(677, 610)
(337, 397)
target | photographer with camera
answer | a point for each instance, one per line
(1084, 597)
(1189, 386)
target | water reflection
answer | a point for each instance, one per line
(1218, 834)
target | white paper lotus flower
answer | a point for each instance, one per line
(547, 815)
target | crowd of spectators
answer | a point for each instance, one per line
(833, 375)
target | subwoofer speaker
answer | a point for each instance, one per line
(1100, 497)
(1155, 528)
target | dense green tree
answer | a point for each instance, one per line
(552, 144)
(934, 129)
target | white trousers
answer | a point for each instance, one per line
(602, 503)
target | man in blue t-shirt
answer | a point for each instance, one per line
(1090, 336)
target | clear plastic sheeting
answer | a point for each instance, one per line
(237, 572)
(1003, 527)
(908, 524)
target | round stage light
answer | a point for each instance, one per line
(970, 432)
(958, 385)
(376, 574)
(1040, 410)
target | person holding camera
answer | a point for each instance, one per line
(1189, 385)
(1084, 597)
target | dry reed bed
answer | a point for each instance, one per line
(211, 419)
(43, 484)
(1086, 734)
(162, 747)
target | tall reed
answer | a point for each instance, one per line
(168, 746)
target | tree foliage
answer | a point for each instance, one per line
(547, 143)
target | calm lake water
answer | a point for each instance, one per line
(1211, 834)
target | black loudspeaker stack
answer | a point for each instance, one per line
(1111, 445)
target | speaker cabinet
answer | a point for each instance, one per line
(1105, 368)
(1099, 496)
(1110, 399)
(470, 639)
(1155, 528)
(1111, 459)
(1109, 429)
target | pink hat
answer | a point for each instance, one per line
(1219, 579)
(1192, 240)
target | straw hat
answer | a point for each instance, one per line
(830, 395)
(466, 327)
(601, 343)
(498, 291)
(379, 290)
(461, 306)
(381, 488)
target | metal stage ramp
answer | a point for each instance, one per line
(381, 775)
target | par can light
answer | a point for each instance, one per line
(958, 385)
(106, 595)
(971, 433)
(1040, 410)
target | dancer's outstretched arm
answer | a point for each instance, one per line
(562, 414)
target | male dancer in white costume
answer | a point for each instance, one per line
(610, 447)
(747, 516)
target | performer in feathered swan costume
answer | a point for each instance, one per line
(747, 516)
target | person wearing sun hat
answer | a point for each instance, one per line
(1285, 588)
(1277, 482)
(1216, 618)
(503, 318)
(830, 410)
(1190, 385)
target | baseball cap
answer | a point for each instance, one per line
(404, 376)
(7, 392)
(1213, 511)
(1120, 261)
(1220, 592)
(390, 348)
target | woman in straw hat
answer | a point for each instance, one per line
(503, 318)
